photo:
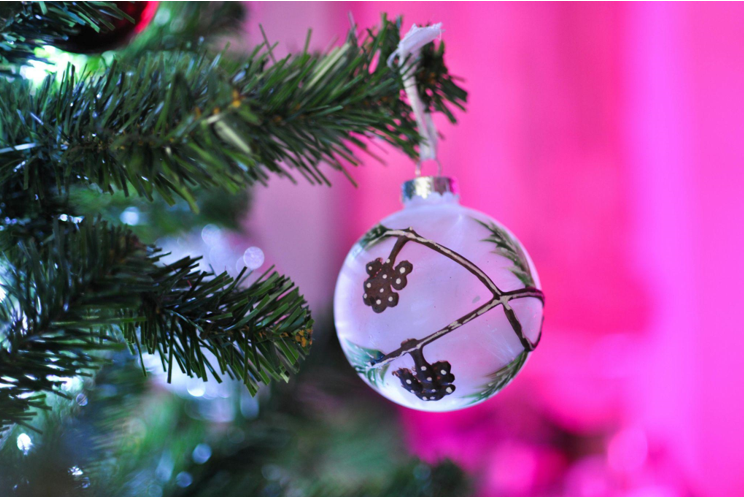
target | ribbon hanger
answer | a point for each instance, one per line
(408, 53)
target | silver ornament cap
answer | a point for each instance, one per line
(426, 186)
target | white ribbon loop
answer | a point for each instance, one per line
(411, 45)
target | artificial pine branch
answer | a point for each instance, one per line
(91, 286)
(189, 26)
(26, 26)
(319, 436)
(158, 220)
(170, 122)
(170, 125)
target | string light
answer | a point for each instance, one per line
(24, 443)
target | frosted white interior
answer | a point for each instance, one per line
(439, 291)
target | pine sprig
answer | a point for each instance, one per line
(171, 122)
(374, 235)
(188, 26)
(499, 379)
(26, 26)
(360, 359)
(157, 220)
(91, 287)
(507, 247)
(435, 84)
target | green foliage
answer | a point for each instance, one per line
(157, 219)
(161, 125)
(91, 286)
(167, 123)
(374, 235)
(500, 378)
(417, 479)
(361, 357)
(507, 247)
(435, 84)
(188, 26)
(26, 26)
(321, 435)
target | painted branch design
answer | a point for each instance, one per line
(383, 278)
(382, 271)
(427, 381)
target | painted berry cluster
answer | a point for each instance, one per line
(383, 280)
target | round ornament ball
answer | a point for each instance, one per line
(438, 306)
(89, 41)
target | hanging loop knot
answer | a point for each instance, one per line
(408, 53)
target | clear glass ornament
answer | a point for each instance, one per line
(438, 306)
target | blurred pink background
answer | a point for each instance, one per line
(610, 139)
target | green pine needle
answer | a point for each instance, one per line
(26, 26)
(167, 123)
(507, 247)
(92, 287)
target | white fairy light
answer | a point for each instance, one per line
(24, 443)
(253, 258)
(36, 71)
(130, 216)
(211, 234)
(202, 453)
(196, 389)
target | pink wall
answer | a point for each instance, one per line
(610, 138)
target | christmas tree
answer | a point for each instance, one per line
(160, 120)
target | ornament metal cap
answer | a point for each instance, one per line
(426, 186)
